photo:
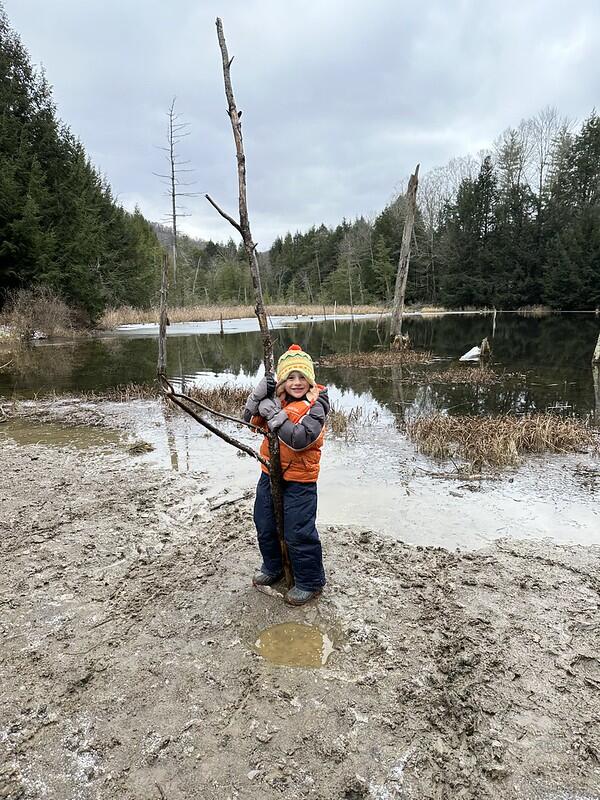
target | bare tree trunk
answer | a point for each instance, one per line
(318, 270)
(173, 191)
(163, 321)
(349, 266)
(404, 260)
(243, 226)
(195, 279)
(596, 356)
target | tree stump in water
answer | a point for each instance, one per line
(401, 342)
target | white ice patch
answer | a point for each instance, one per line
(391, 789)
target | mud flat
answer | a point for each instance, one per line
(129, 665)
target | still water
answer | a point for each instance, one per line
(548, 359)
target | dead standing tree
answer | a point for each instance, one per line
(177, 130)
(243, 228)
(163, 320)
(188, 404)
(404, 259)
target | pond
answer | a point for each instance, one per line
(546, 359)
(377, 478)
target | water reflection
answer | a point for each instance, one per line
(552, 354)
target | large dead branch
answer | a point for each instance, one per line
(243, 227)
(181, 400)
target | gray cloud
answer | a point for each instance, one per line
(340, 99)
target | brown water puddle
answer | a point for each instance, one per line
(292, 644)
(26, 432)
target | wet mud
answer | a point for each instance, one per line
(129, 667)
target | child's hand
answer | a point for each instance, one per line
(271, 384)
(264, 388)
(268, 407)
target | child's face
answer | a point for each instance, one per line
(296, 385)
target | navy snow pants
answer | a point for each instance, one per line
(301, 535)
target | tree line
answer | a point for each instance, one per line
(513, 226)
(60, 226)
(517, 225)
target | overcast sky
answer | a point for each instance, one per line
(340, 99)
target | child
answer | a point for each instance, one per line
(295, 406)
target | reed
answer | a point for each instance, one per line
(497, 441)
(127, 315)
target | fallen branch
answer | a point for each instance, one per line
(228, 500)
(459, 476)
(171, 391)
(175, 399)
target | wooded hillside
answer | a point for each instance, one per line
(59, 223)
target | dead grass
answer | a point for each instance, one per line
(377, 358)
(480, 376)
(127, 315)
(497, 441)
(433, 310)
(474, 376)
(38, 310)
(534, 311)
(228, 399)
(345, 423)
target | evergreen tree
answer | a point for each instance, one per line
(59, 224)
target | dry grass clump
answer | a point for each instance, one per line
(478, 376)
(534, 311)
(227, 399)
(123, 393)
(497, 441)
(433, 310)
(36, 310)
(127, 315)
(378, 358)
(345, 423)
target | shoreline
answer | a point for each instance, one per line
(210, 316)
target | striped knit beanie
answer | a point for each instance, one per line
(295, 360)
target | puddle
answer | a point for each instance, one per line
(292, 644)
(26, 432)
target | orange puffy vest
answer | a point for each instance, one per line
(297, 465)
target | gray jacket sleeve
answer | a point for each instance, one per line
(301, 435)
(248, 410)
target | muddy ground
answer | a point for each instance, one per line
(128, 667)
